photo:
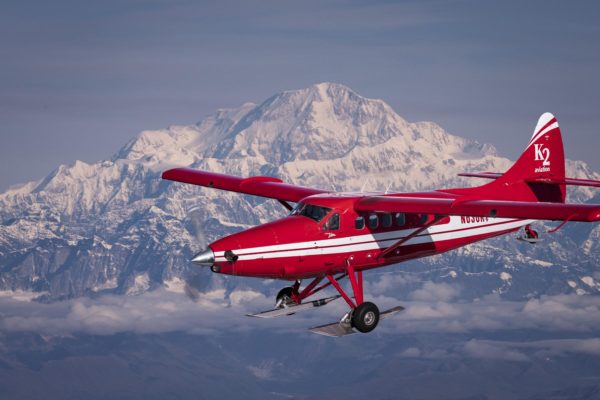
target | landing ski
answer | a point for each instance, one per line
(343, 328)
(294, 308)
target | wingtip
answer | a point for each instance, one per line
(167, 173)
(170, 174)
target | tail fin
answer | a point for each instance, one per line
(542, 162)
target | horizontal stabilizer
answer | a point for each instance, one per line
(486, 175)
(294, 308)
(548, 181)
(566, 181)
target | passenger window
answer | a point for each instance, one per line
(333, 222)
(359, 223)
(373, 221)
(386, 220)
(424, 218)
(400, 219)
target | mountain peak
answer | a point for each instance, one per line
(325, 91)
(114, 226)
(324, 121)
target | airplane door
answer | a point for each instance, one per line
(331, 229)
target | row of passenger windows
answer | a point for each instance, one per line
(386, 220)
(374, 221)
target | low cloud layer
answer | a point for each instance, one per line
(431, 308)
(153, 312)
(436, 307)
(518, 351)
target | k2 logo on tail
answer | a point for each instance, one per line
(542, 154)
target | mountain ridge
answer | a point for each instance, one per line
(107, 226)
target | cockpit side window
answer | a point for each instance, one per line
(296, 208)
(314, 212)
(332, 223)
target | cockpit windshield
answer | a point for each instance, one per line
(316, 213)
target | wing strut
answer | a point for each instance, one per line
(405, 239)
(561, 224)
(286, 205)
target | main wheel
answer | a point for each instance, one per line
(284, 296)
(365, 317)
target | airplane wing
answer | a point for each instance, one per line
(481, 208)
(263, 186)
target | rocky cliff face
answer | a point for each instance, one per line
(115, 226)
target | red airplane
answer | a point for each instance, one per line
(328, 236)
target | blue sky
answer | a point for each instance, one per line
(78, 79)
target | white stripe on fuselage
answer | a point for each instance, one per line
(437, 233)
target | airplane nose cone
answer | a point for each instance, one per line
(205, 258)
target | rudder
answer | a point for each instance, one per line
(542, 160)
(538, 175)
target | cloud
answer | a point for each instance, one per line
(265, 369)
(524, 351)
(481, 349)
(558, 347)
(391, 282)
(590, 346)
(436, 292)
(433, 308)
(152, 312)
(415, 352)
(561, 313)
(411, 352)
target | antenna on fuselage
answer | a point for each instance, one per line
(387, 188)
(362, 189)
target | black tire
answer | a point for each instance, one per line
(365, 317)
(285, 292)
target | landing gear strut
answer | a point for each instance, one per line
(292, 295)
(284, 297)
(362, 317)
(530, 235)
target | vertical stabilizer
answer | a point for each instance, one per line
(538, 174)
(542, 160)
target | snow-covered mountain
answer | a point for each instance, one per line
(115, 226)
